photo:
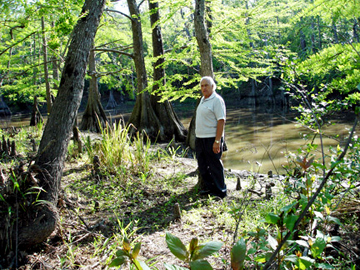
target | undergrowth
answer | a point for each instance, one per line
(106, 214)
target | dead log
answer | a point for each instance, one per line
(177, 212)
(4, 146)
(36, 116)
(238, 183)
(77, 140)
(13, 149)
(33, 143)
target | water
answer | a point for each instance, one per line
(257, 140)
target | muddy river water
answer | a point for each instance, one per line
(258, 140)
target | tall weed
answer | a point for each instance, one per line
(119, 153)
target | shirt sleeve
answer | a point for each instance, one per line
(219, 109)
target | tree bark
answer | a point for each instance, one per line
(202, 37)
(46, 70)
(206, 66)
(36, 116)
(112, 104)
(94, 114)
(171, 125)
(146, 117)
(54, 142)
(143, 117)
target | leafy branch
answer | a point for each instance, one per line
(315, 195)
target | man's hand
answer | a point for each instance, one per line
(216, 148)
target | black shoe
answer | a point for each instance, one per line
(218, 195)
(204, 192)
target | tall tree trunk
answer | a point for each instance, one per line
(94, 114)
(36, 116)
(112, 104)
(206, 65)
(41, 220)
(55, 65)
(171, 124)
(143, 117)
(202, 37)
(46, 70)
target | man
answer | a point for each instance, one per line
(209, 130)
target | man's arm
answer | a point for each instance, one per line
(219, 132)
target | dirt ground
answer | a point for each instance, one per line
(88, 234)
(84, 224)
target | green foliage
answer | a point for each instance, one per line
(339, 9)
(177, 247)
(196, 253)
(335, 69)
(128, 254)
(238, 255)
(194, 256)
(21, 59)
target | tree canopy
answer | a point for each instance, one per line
(314, 41)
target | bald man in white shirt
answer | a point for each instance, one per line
(209, 130)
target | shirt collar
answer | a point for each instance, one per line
(211, 97)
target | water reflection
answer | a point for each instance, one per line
(16, 120)
(259, 140)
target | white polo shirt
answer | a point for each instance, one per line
(208, 113)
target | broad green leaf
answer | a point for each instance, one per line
(120, 253)
(291, 258)
(137, 264)
(238, 254)
(126, 244)
(335, 239)
(200, 265)
(272, 242)
(206, 250)
(302, 243)
(136, 250)
(324, 266)
(263, 257)
(144, 265)
(305, 262)
(319, 215)
(271, 218)
(288, 207)
(176, 246)
(194, 244)
(334, 219)
(141, 265)
(118, 261)
(290, 221)
(174, 267)
(318, 247)
(260, 259)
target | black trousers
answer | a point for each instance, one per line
(210, 165)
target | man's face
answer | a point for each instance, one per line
(206, 88)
